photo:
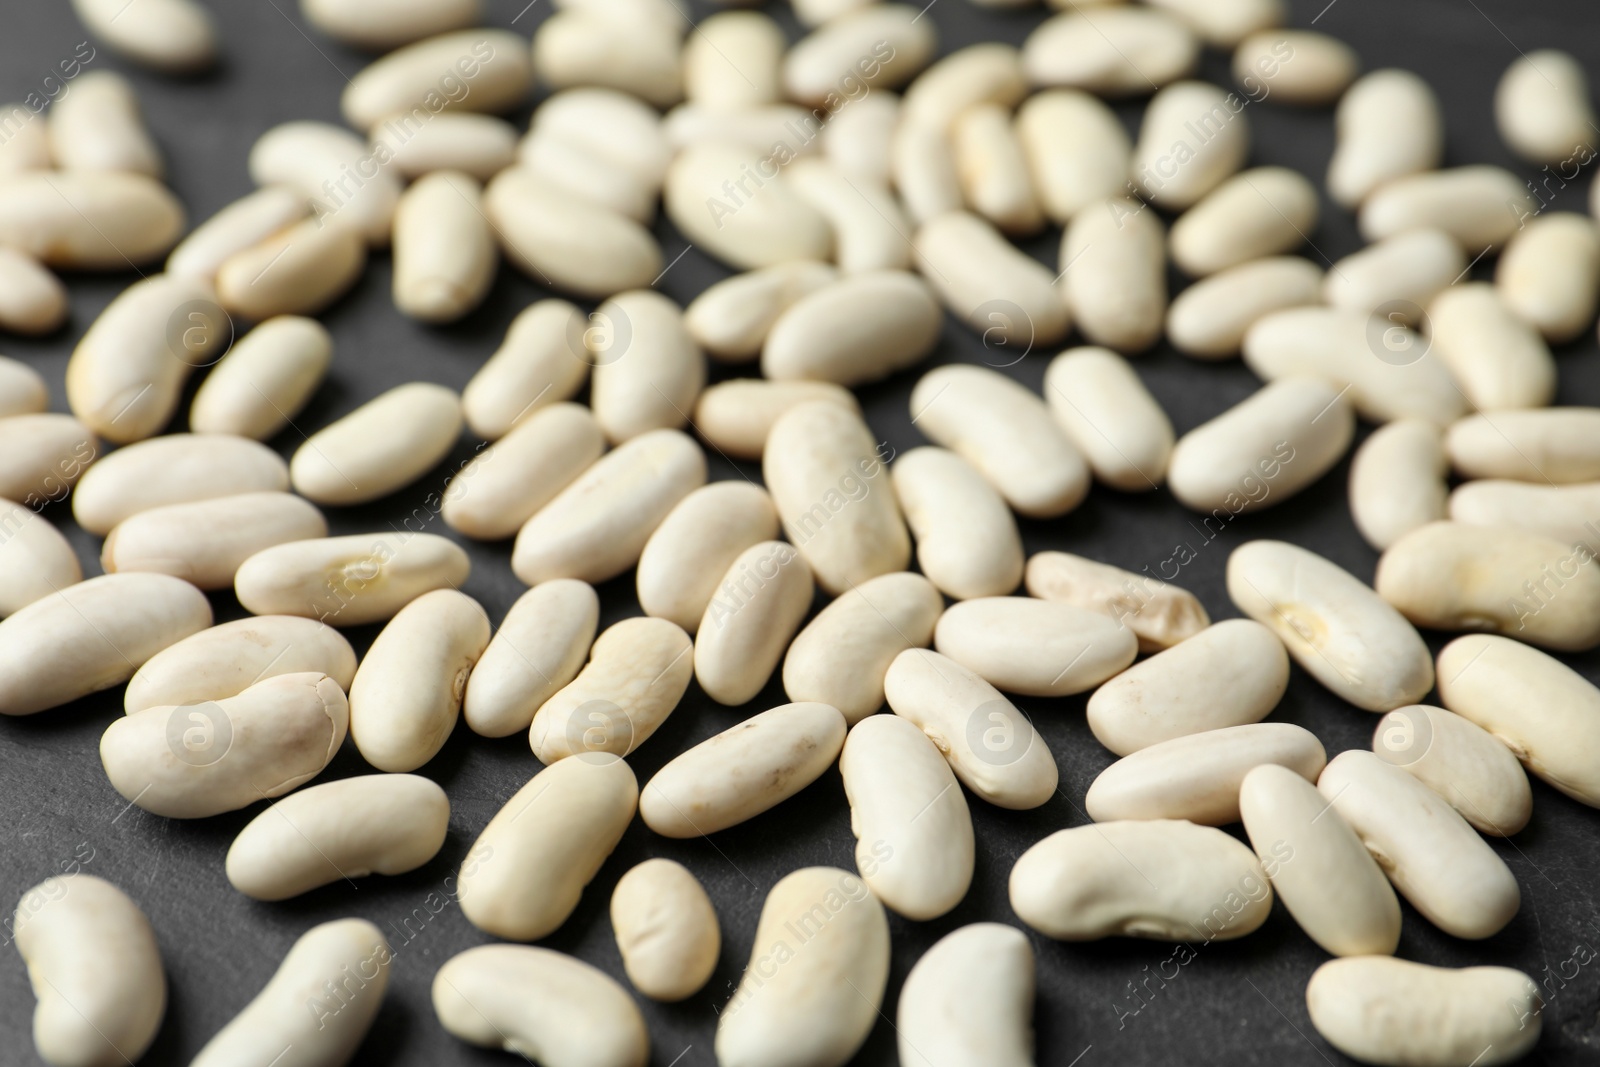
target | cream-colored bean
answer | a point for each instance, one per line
(856, 330)
(1226, 23)
(1397, 481)
(1460, 761)
(814, 13)
(1114, 274)
(596, 527)
(1543, 710)
(648, 371)
(192, 761)
(986, 73)
(1549, 274)
(732, 61)
(1128, 438)
(1335, 626)
(205, 541)
(736, 416)
(1397, 277)
(1089, 882)
(349, 955)
(223, 661)
(479, 145)
(317, 160)
(637, 672)
(924, 171)
(992, 748)
(494, 64)
(1255, 213)
(967, 541)
(844, 653)
(574, 168)
(870, 229)
(379, 448)
(370, 824)
(687, 556)
(914, 840)
(1076, 150)
(762, 221)
(1110, 51)
(1160, 615)
(824, 998)
(732, 318)
(42, 456)
(969, 999)
(172, 36)
(1168, 170)
(444, 253)
(88, 220)
(543, 360)
(22, 389)
(127, 370)
(1450, 576)
(881, 46)
(612, 125)
(506, 484)
(566, 241)
(1197, 777)
(265, 379)
(540, 646)
(1542, 109)
(1211, 318)
(95, 968)
(997, 289)
(32, 299)
(1325, 876)
(1433, 856)
(351, 580)
(759, 605)
(772, 132)
(857, 140)
(35, 559)
(298, 271)
(822, 469)
(28, 148)
(1232, 673)
(582, 46)
(1389, 125)
(1551, 445)
(666, 930)
(1565, 513)
(380, 25)
(993, 170)
(1499, 360)
(1034, 647)
(97, 126)
(524, 876)
(1480, 206)
(1007, 432)
(241, 225)
(1295, 67)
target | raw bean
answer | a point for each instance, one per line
(264, 380)
(1087, 883)
(204, 542)
(97, 126)
(582, 46)
(1396, 277)
(914, 842)
(612, 125)
(1434, 858)
(924, 171)
(1289, 432)
(1295, 66)
(1114, 51)
(1160, 615)
(1076, 150)
(379, 448)
(87, 220)
(171, 36)
(1255, 213)
(736, 416)
(819, 469)
(494, 64)
(1210, 319)
(307, 156)
(1034, 647)
(1182, 110)
(750, 768)
(508, 482)
(349, 954)
(1337, 628)
(700, 539)
(995, 288)
(1549, 274)
(95, 968)
(370, 824)
(637, 672)
(822, 1002)
(1449, 576)
(1499, 360)
(1197, 777)
(1005, 431)
(1541, 107)
(843, 654)
(967, 541)
(993, 170)
(969, 1000)
(647, 369)
(223, 661)
(238, 227)
(381, 25)
(35, 560)
(524, 876)
(1114, 278)
(32, 300)
(1460, 761)
(1543, 710)
(1480, 206)
(814, 13)
(127, 370)
(1385, 364)
(42, 456)
(22, 389)
(596, 527)
(540, 646)
(870, 230)
(1225, 24)
(444, 255)
(28, 148)
(774, 132)
(1388, 125)
(763, 599)
(570, 243)
(1232, 673)
(197, 760)
(1554, 445)
(762, 222)
(479, 145)
(297, 271)
(1397, 481)
(1129, 438)
(575, 169)
(987, 73)
(407, 693)
(992, 748)
(712, 76)
(349, 581)
(856, 330)
(666, 930)
(1390, 1011)
(1565, 513)
(542, 1004)
(542, 361)
(857, 140)
(731, 319)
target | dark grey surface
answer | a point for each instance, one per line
(1238, 1003)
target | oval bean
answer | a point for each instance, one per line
(238, 227)
(1258, 212)
(1076, 149)
(88, 220)
(379, 448)
(97, 126)
(1210, 319)
(1396, 277)
(1397, 481)
(543, 360)
(1480, 206)
(540, 646)
(762, 221)
(967, 541)
(350, 580)
(1114, 274)
(1549, 274)
(1160, 615)
(856, 330)
(225, 660)
(565, 241)
(380, 25)
(1034, 647)
(1129, 438)
(172, 36)
(322, 161)
(736, 416)
(764, 596)
(1114, 51)
(444, 253)
(494, 63)
(732, 318)
(1541, 107)
(666, 930)
(969, 999)
(695, 546)
(32, 299)
(1460, 761)
(1174, 179)
(479, 145)
(995, 288)
(179, 468)
(1311, 69)
(647, 369)
(505, 484)
(1388, 125)
(1550, 445)
(1499, 360)
(299, 270)
(205, 542)
(265, 380)
(35, 559)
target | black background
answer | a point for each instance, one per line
(1238, 1003)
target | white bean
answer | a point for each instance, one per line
(1388, 125)
(1210, 319)
(967, 541)
(540, 646)
(171, 36)
(351, 580)
(1295, 66)
(736, 204)
(666, 930)
(1565, 513)
(1396, 277)
(763, 598)
(223, 661)
(647, 369)
(1223, 23)
(1114, 274)
(1258, 212)
(1110, 51)
(1460, 761)
(1542, 109)
(1397, 481)
(1160, 615)
(35, 559)
(969, 1000)
(732, 318)
(687, 556)
(330, 166)
(241, 225)
(1499, 360)
(479, 145)
(923, 167)
(581, 46)
(856, 330)
(88, 220)
(986, 73)
(297, 271)
(32, 299)
(444, 253)
(613, 125)
(736, 416)
(870, 229)
(1034, 647)
(42, 456)
(22, 389)
(265, 379)
(1480, 206)
(97, 126)
(858, 139)
(1076, 149)
(1128, 438)
(506, 484)
(1549, 274)
(542, 360)
(1006, 295)
(1167, 168)
(205, 541)
(494, 65)
(732, 61)
(993, 170)
(576, 169)
(565, 241)
(380, 25)
(379, 448)
(1553, 445)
